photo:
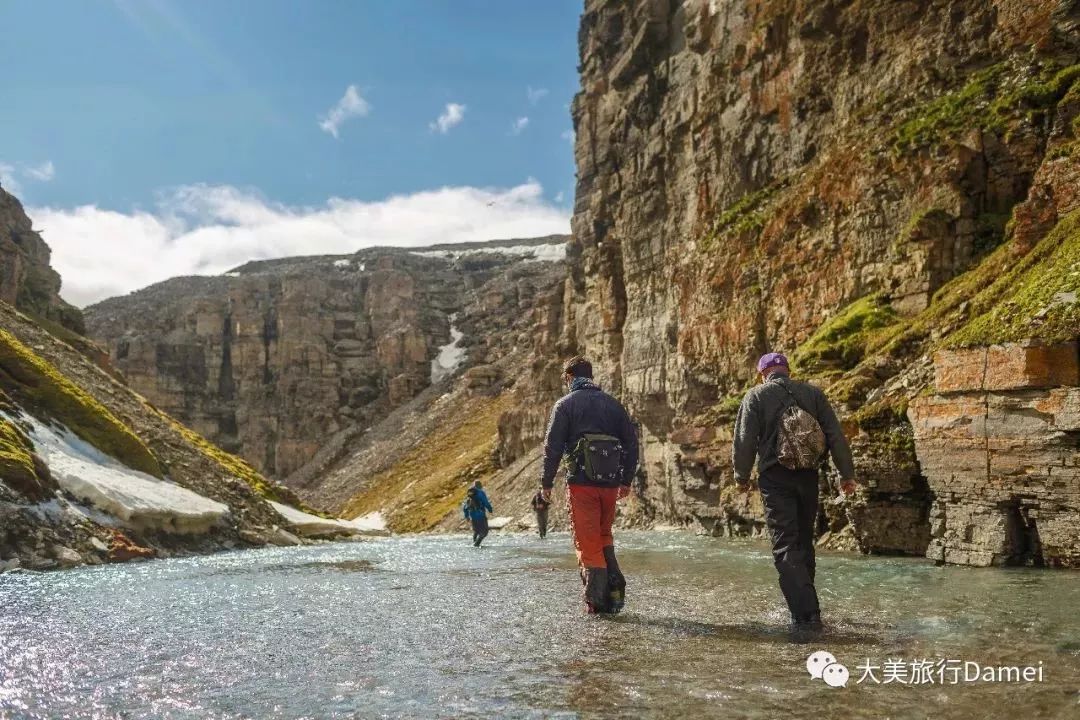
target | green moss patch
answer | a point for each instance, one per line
(1036, 297)
(841, 342)
(747, 214)
(951, 113)
(17, 466)
(991, 100)
(40, 387)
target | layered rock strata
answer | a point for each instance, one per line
(280, 360)
(830, 179)
(999, 443)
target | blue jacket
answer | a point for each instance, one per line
(478, 513)
(581, 412)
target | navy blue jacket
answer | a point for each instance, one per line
(586, 411)
(477, 513)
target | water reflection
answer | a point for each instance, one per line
(430, 627)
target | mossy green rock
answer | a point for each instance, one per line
(840, 343)
(20, 468)
(1038, 297)
(40, 388)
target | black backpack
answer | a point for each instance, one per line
(600, 457)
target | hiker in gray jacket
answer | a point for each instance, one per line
(790, 496)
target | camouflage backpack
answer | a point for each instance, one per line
(800, 442)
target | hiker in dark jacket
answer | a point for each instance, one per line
(540, 506)
(790, 496)
(593, 432)
(476, 507)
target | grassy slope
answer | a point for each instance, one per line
(429, 482)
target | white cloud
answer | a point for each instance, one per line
(568, 136)
(349, 106)
(451, 116)
(520, 124)
(44, 172)
(205, 230)
(8, 180)
(535, 95)
(11, 176)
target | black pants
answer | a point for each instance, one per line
(541, 522)
(791, 503)
(479, 529)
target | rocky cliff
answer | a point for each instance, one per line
(844, 181)
(286, 362)
(27, 281)
(90, 472)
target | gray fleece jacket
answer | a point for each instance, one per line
(756, 426)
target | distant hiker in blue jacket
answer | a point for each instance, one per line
(476, 507)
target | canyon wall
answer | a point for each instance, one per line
(280, 360)
(839, 180)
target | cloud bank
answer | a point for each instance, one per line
(350, 105)
(451, 116)
(207, 230)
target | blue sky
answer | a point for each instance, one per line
(124, 106)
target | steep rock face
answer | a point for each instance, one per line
(27, 281)
(1000, 445)
(809, 177)
(285, 362)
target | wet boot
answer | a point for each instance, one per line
(596, 590)
(616, 581)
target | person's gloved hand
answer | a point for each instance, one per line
(847, 487)
(624, 491)
(546, 494)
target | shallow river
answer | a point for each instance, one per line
(429, 627)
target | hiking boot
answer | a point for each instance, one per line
(616, 581)
(596, 590)
(616, 593)
(807, 624)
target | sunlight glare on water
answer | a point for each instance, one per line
(423, 627)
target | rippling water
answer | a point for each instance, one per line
(430, 627)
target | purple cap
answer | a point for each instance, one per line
(771, 360)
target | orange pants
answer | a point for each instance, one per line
(592, 512)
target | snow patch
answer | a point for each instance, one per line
(310, 525)
(138, 499)
(450, 356)
(554, 252)
(342, 263)
(373, 523)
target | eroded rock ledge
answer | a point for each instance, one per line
(999, 444)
